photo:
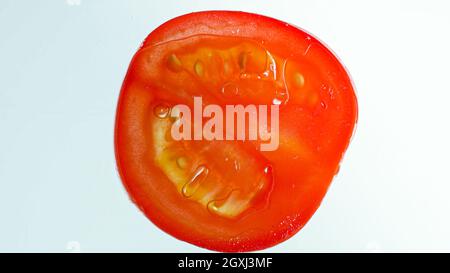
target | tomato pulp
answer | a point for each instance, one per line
(226, 194)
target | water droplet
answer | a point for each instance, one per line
(230, 89)
(281, 97)
(161, 111)
(323, 105)
(265, 179)
(271, 65)
(276, 101)
(194, 183)
(229, 206)
(237, 165)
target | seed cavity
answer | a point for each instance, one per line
(221, 177)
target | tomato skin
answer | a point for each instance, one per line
(159, 201)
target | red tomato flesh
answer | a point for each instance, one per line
(227, 195)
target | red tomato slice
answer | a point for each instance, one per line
(228, 195)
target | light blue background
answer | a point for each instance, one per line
(61, 66)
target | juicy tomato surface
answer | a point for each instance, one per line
(228, 195)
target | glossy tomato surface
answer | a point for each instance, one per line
(229, 195)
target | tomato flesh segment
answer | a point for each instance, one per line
(223, 177)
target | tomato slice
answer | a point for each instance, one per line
(226, 194)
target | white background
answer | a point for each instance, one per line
(61, 66)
